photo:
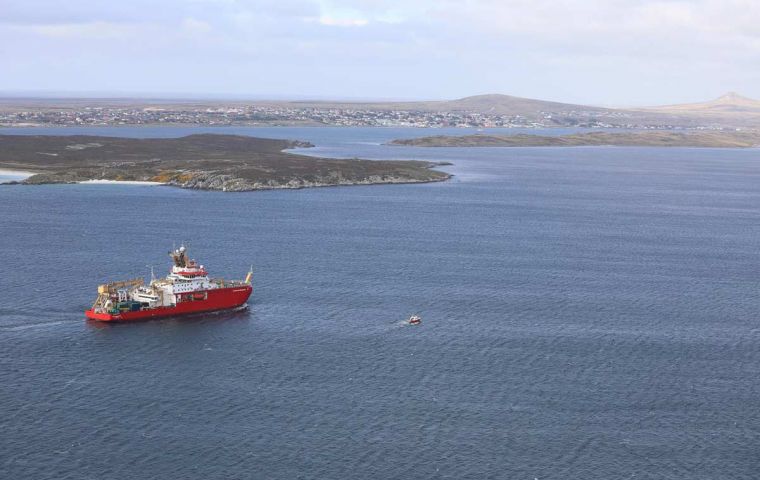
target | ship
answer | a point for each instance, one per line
(186, 290)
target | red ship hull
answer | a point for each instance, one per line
(217, 299)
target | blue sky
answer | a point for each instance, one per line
(611, 52)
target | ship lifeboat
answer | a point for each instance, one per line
(414, 320)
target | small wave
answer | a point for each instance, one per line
(29, 326)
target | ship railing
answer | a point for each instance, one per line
(222, 283)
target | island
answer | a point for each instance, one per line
(229, 163)
(655, 138)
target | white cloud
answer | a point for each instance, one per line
(342, 22)
(604, 51)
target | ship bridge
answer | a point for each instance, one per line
(187, 275)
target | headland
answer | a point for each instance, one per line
(204, 161)
(656, 138)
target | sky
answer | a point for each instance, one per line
(600, 52)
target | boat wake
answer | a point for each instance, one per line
(29, 326)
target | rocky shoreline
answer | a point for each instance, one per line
(227, 183)
(225, 163)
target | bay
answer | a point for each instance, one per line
(587, 313)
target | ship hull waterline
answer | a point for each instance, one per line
(218, 300)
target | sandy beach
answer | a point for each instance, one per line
(119, 182)
(8, 175)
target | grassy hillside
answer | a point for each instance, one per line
(207, 161)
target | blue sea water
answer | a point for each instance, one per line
(587, 313)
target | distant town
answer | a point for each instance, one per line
(481, 111)
(284, 115)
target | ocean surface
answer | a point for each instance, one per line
(588, 313)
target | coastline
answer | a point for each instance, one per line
(257, 187)
(202, 161)
(658, 138)
(118, 182)
(7, 174)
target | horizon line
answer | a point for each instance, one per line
(187, 97)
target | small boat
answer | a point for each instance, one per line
(415, 320)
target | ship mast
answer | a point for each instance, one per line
(179, 256)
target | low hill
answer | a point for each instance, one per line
(490, 103)
(707, 139)
(203, 161)
(728, 111)
(731, 110)
(731, 102)
(507, 104)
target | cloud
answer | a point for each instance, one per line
(603, 51)
(342, 22)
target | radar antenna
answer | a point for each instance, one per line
(179, 256)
